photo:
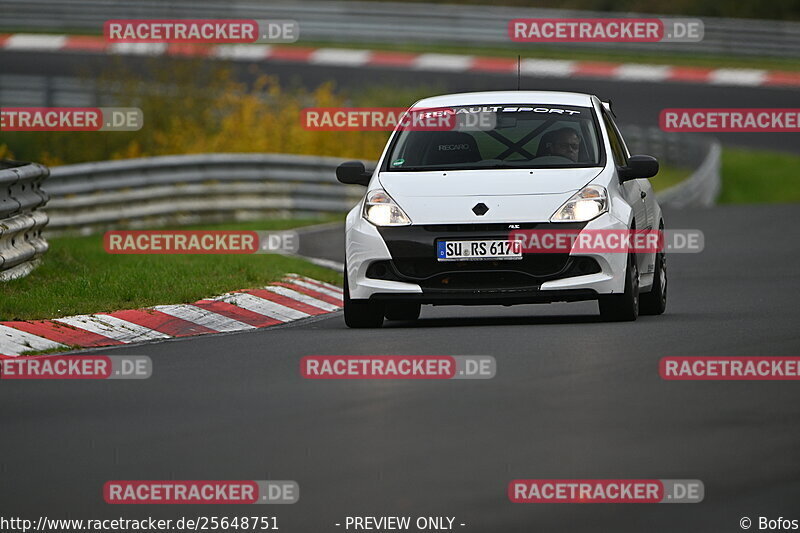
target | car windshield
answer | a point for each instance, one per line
(518, 136)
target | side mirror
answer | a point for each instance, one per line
(639, 166)
(353, 173)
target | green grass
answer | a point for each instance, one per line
(759, 176)
(668, 177)
(52, 351)
(78, 276)
(748, 177)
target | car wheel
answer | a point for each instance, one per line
(623, 307)
(361, 313)
(655, 301)
(402, 311)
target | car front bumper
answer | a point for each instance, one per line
(399, 263)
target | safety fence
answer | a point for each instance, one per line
(702, 188)
(702, 154)
(187, 189)
(21, 220)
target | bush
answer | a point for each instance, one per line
(217, 114)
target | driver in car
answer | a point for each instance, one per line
(565, 143)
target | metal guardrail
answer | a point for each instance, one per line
(189, 189)
(395, 22)
(21, 241)
(673, 149)
(53, 91)
(702, 188)
(698, 152)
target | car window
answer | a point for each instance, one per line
(520, 136)
(614, 138)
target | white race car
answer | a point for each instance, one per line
(434, 224)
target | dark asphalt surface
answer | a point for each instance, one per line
(573, 398)
(636, 103)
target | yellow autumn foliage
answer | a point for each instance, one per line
(193, 108)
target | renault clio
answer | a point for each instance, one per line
(433, 226)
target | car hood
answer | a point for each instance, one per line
(491, 182)
(448, 197)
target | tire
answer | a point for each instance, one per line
(361, 313)
(623, 307)
(655, 301)
(402, 311)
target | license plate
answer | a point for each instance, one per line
(482, 250)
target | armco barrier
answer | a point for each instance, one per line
(187, 189)
(701, 153)
(395, 22)
(21, 241)
(210, 187)
(703, 186)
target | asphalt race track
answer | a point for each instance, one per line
(573, 398)
(634, 102)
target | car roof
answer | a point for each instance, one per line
(508, 97)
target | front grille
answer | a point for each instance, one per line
(452, 228)
(494, 227)
(413, 250)
(535, 265)
(480, 280)
(528, 273)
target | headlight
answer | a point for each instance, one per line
(381, 210)
(584, 205)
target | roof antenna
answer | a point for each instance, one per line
(519, 60)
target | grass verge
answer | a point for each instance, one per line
(79, 277)
(759, 177)
(668, 177)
